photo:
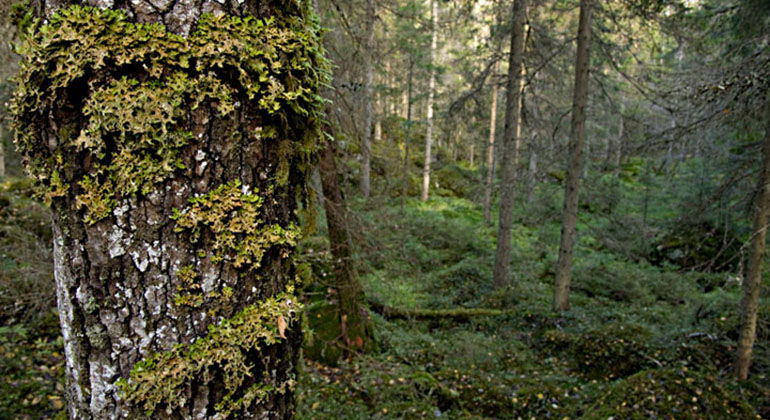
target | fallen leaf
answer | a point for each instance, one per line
(281, 326)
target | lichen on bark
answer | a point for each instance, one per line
(137, 83)
(174, 160)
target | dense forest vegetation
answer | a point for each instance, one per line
(463, 209)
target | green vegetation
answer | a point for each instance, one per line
(663, 226)
(641, 340)
(667, 332)
(136, 126)
(161, 379)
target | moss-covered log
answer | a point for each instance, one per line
(174, 142)
(457, 314)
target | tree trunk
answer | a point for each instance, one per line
(2, 151)
(355, 323)
(617, 150)
(174, 159)
(511, 140)
(429, 109)
(753, 283)
(490, 178)
(408, 134)
(366, 142)
(576, 142)
(532, 170)
(377, 130)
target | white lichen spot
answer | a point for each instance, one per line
(209, 281)
(200, 155)
(154, 252)
(153, 297)
(116, 242)
(120, 210)
(141, 262)
(102, 4)
(102, 374)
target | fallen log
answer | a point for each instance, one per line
(459, 314)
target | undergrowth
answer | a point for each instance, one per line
(643, 339)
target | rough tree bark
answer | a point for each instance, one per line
(174, 158)
(2, 150)
(616, 153)
(511, 140)
(366, 139)
(576, 146)
(753, 284)
(429, 105)
(408, 133)
(355, 323)
(532, 169)
(490, 178)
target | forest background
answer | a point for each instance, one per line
(433, 131)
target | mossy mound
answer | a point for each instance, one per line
(610, 352)
(671, 393)
(455, 180)
(700, 246)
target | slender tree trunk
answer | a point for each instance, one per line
(429, 109)
(408, 133)
(354, 319)
(576, 146)
(753, 283)
(174, 187)
(532, 170)
(512, 138)
(366, 142)
(405, 99)
(490, 178)
(617, 150)
(2, 150)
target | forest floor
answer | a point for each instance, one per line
(644, 338)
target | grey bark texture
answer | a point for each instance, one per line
(119, 278)
(511, 142)
(576, 147)
(490, 158)
(429, 106)
(2, 150)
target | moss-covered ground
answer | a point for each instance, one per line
(648, 336)
(645, 338)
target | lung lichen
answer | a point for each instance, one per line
(136, 84)
(108, 110)
(232, 214)
(162, 379)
